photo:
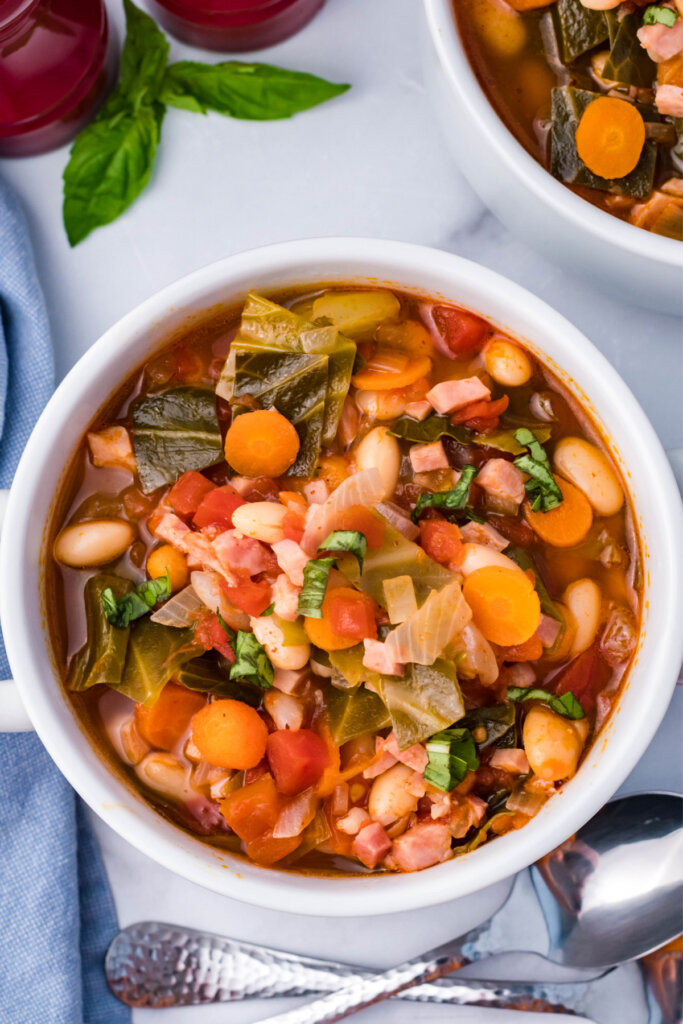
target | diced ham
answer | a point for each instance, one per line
(520, 674)
(371, 845)
(423, 845)
(292, 559)
(416, 757)
(354, 821)
(662, 41)
(482, 533)
(285, 598)
(466, 813)
(415, 785)
(378, 659)
(502, 480)
(112, 447)
(289, 680)
(235, 551)
(548, 630)
(426, 457)
(384, 762)
(197, 547)
(316, 492)
(172, 529)
(450, 395)
(669, 99)
(510, 759)
(419, 410)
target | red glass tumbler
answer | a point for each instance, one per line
(234, 25)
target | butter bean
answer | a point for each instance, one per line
(589, 469)
(95, 542)
(379, 450)
(261, 520)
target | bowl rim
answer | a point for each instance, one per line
(443, 30)
(374, 260)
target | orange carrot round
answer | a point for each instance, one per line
(504, 604)
(165, 722)
(167, 559)
(610, 137)
(230, 734)
(381, 375)
(261, 443)
(320, 633)
(566, 524)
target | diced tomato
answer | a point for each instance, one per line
(357, 517)
(463, 332)
(484, 410)
(294, 525)
(217, 507)
(351, 613)
(250, 597)
(251, 812)
(585, 676)
(442, 542)
(164, 723)
(211, 635)
(297, 759)
(188, 491)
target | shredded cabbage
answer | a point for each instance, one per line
(423, 636)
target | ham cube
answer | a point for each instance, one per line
(423, 845)
(467, 812)
(112, 447)
(419, 410)
(451, 395)
(354, 821)
(669, 100)
(510, 759)
(378, 659)
(416, 757)
(502, 480)
(662, 41)
(371, 845)
(426, 457)
(292, 559)
(235, 551)
(482, 533)
(285, 598)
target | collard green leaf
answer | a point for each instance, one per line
(349, 664)
(352, 713)
(628, 61)
(174, 431)
(499, 722)
(578, 28)
(568, 105)
(257, 92)
(155, 653)
(102, 658)
(505, 441)
(398, 556)
(428, 430)
(424, 701)
(206, 675)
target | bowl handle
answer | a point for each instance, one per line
(13, 717)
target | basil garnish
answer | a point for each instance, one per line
(347, 540)
(267, 611)
(541, 488)
(456, 498)
(252, 664)
(139, 602)
(451, 755)
(316, 574)
(567, 705)
(664, 15)
(230, 633)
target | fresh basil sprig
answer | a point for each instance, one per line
(139, 602)
(251, 664)
(111, 160)
(456, 498)
(656, 13)
(347, 540)
(452, 754)
(316, 575)
(542, 488)
(567, 705)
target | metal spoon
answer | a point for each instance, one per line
(610, 894)
(153, 964)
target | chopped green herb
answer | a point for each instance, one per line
(139, 602)
(567, 705)
(268, 611)
(542, 487)
(316, 574)
(252, 663)
(347, 540)
(457, 498)
(664, 15)
(451, 755)
(230, 633)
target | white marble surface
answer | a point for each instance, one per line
(371, 163)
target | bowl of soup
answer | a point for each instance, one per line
(342, 577)
(563, 116)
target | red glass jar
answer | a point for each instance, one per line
(56, 64)
(234, 25)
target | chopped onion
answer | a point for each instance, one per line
(525, 801)
(296, 815)
(181, 610)
(364, 488)
(389, 360)
(541, 406)
(423, 636)
(479, 657)
(399, 594)
(397, 518)
(285, 710)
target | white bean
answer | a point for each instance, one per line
(507, 363)
(382, 405)
(285, 710)
(269, 632)
(356, 312)
(165, 774)
(96, 542)
(261, 520)
(379, 450)
(589, 469)
(584, 600)
(600, 5)
(553, 744)
(480, 556)
(389, 799)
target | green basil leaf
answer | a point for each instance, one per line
(347, 540)
(120, 612)
(143, 58)
(451, 755)
(542, 487)
(316, 574)
(206, 674)
(428, 430)
(456, 498)
(268, 611)
(252, 664)
(256, 92)
(567, 705)
(655, 13)
(230, 633)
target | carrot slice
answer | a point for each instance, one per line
(566, 524)
(230, 734)
(165, 722)
(261, 443)
(380, 375)
(504, 604)
(610, 137)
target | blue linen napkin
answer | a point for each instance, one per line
(57, 914)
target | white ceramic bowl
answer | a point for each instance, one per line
(634, 265)
(422, 270)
